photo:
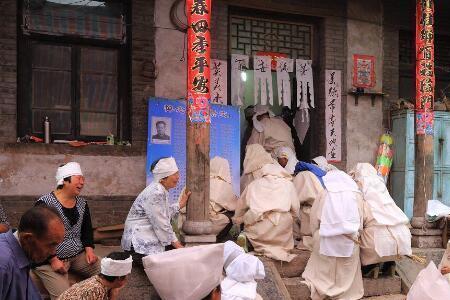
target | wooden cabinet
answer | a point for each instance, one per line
(402, 172)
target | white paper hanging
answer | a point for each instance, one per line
(305, 86)
(284, 67)
(239, 63)
(263, 79)
(218, 81)
(333, 114)
(301, 124)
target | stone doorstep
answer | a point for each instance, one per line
(372, 287)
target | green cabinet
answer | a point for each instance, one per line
(402, 172)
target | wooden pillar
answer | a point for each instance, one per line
(198, 14)
(424, 160)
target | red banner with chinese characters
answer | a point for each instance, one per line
(425, 77)
(198, 14)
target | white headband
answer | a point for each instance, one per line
(111, 267)
(69, 169)
(165, 167)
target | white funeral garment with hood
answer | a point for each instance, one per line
(386, 235)
(266, 208)
(336, 277)
(241, 272)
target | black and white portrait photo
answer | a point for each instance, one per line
(161, 128)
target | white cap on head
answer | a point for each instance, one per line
(112, 267)
(69, 169)
(165, 167)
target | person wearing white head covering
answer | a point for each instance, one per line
(334, 269)
(323, 164)
(76, 252)
(191, 273)
(255, 158)
(267, 207)
(105, 286)
(148, 228)
(241, 271)
(287, 159)
(222, 199)
(269, 131)
(386, 235)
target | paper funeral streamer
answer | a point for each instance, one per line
(263, 80)
(239, 63)
(284, 67)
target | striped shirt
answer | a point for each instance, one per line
(77, 225)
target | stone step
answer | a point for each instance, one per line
(372, 287)
(387, 297)
(293, 268)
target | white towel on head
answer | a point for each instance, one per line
(69, 169)
(164, 168)
(112, 267)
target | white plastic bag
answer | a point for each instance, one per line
(429, 285)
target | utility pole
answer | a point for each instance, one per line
(424, 115)
(197, 226)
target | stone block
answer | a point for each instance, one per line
(193, 240)
(382, 286)
(297, 289)
(431, 241)
(272, 286)
(426, 232)
(295, 267)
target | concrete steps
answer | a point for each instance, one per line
(382, 286)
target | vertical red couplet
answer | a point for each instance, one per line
(198, 52)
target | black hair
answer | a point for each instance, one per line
(115, 256)
(36, 220)
(153, 165)
(67, 179)
(161, 122)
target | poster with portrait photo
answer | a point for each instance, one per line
(161, 130)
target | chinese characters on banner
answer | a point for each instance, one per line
(363, 71)
(199, 46)
(219, 81)
(284, 67)
(305, 88)
(425, 78)
(239, 63)
(333, 114)
(263, 79)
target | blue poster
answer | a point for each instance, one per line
(167, 137)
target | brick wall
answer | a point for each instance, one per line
(333, 56)
(142, 61)
(8, 70)
(105, 210)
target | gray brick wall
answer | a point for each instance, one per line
(143, 83)
(142, 77)
(8, 70)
